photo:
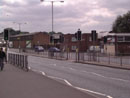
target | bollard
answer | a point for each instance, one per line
(76, 56)
(26, 63)
(109, 59)
(14, 58)
(17, 59)
(22, 61)
(121, 60)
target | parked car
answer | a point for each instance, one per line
(54, 49)
(39, 49)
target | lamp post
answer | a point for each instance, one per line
(19, 24)
(52, 2)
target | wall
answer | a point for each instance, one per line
(84, 44)
(42, 39)
(109, 49)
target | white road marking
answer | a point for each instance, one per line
(110, 77)
(34, 70)
(53, 64)
(119, 79)
(86, 72)
(123, 80)
(68, 82)
(43, 73)
(72, 69)
(109, 96)
(93, 92)
(55, 77)
(29, 68)
(98, 74)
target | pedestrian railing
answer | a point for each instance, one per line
(18, 60)
(94, 57)
(103, 58)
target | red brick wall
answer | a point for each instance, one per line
(85, 43)
(37, 39)
(124, 48)
(41, 39)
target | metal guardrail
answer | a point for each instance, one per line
(119, 60)
(102, 58)
(92, 57)
(18, 60)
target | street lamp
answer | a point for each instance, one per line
(52, 2)
(19, 33)
(19, 25)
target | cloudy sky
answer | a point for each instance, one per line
(68, 16)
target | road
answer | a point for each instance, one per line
(108, 82)
(118, 60)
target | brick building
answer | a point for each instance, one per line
(30, 40)
(118, 43)
(71, 43)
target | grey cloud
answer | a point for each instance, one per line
(67, 18)
(114, 4)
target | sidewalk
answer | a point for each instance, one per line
(16, 83)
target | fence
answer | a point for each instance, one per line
(103, 58)
(94, 57)
(18, 60)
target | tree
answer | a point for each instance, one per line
(122, 24)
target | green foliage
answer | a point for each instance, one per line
(122, 24)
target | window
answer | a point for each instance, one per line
(90, 39)
(123, 38)
(73, 39)
(28, 44)
(127, 38)
(73, 47)
(120, 39)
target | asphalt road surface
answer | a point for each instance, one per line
(104, 81)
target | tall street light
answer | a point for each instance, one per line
(19, 25)
(52, 2)
(19, 33)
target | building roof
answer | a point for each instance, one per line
(119, 34)
(28, 34)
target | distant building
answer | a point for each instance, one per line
(71, 43)
(29, 41)
(2, 42)
(66, 42)
(14, 32)
(117, 43)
